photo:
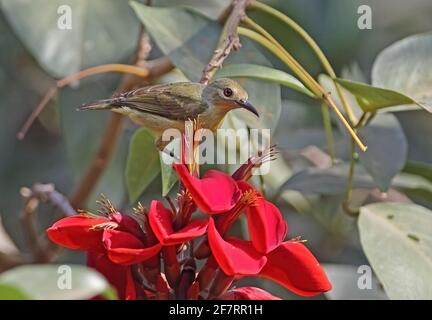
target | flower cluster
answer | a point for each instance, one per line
(154, 253)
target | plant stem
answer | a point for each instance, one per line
(315, 48)
(307, 79)
(350, 182)
(229, 39)
(328, 132)
(325, 113)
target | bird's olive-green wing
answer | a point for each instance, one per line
(177, 101)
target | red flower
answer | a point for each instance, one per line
(215, 193)
(234, 256)
(248, 293)
(118, 236)
(161, 222)
(293, 266)
(120, 277)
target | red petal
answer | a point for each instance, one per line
(127, 223)
(293, 266)
(216, 192)
(124, 248)
(119, 276)
(267, 227)
(77, 233)
(248, 293)
(160, 219)
(235, 257)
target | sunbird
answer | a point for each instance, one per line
(164, 106)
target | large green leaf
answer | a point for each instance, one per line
(142, 164)
(406, 66)
(371, 98)
(54, 282)
(93, 39)
(331, 181)
(387, 149)
(210, 8)
(263, 73)
(397, 242)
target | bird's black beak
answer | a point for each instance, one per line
(248, 106)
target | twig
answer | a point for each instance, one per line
(229, 39)
(115, 124)
(32, 198)
(122, 68)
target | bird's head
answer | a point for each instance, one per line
(227, 94)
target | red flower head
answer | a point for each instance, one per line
(129, 253)
(118, 236)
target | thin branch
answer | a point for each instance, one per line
(32, 198)
(229, 39)
(122, 68)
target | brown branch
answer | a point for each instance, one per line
(32, 198)
(229, 39)
(122, 68)
(114, 127)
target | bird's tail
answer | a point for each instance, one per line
(106, 104)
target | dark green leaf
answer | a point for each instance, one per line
(168, 174)
(371, 99)
(93, 39)
(142, 163)
(419, 168)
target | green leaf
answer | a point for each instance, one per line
(263, 73)
(419, 168)
(212, 9)
(142, 163)
(396, 240)
(417, 126)
(387, 149)
(331, 181)
(371, 98)
(406, 66)
(11, 292)
(55, 282)
(93, 39)
(168, 175)
(186, 36)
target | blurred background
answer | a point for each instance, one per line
(61, 143)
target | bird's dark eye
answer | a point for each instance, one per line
(228, 92)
